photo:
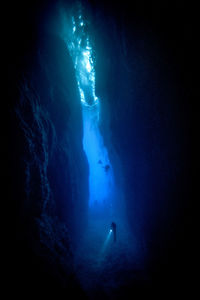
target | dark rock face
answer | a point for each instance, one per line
(48, 166)
(147, 91)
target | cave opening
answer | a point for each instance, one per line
(106, 202)
(101, 178)
(99, 114)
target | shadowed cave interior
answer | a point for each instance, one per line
(100, 113)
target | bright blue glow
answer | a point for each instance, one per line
(100, 179)
(106, 242)
(100, 169)
(81, 52)
(86, 61)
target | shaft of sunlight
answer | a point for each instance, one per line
(100, 169)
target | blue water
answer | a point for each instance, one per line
(101, 179)
(104, 265)
(101, 182)
(100, 262)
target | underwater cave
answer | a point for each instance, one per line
(99, 148)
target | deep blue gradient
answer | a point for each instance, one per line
(101, 181)
(101, 173)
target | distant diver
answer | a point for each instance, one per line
(107, 167)
(113, 228)
(99, 162)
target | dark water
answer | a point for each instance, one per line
(102, 264)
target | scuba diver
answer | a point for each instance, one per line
(106, 168)
(113, 228)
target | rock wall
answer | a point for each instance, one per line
(143, 80)
(48, 167)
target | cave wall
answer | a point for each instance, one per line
(48, 168)
(146, 87)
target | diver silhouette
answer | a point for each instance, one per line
(106, 168)
(113, 227)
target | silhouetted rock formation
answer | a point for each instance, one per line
(49, 168)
